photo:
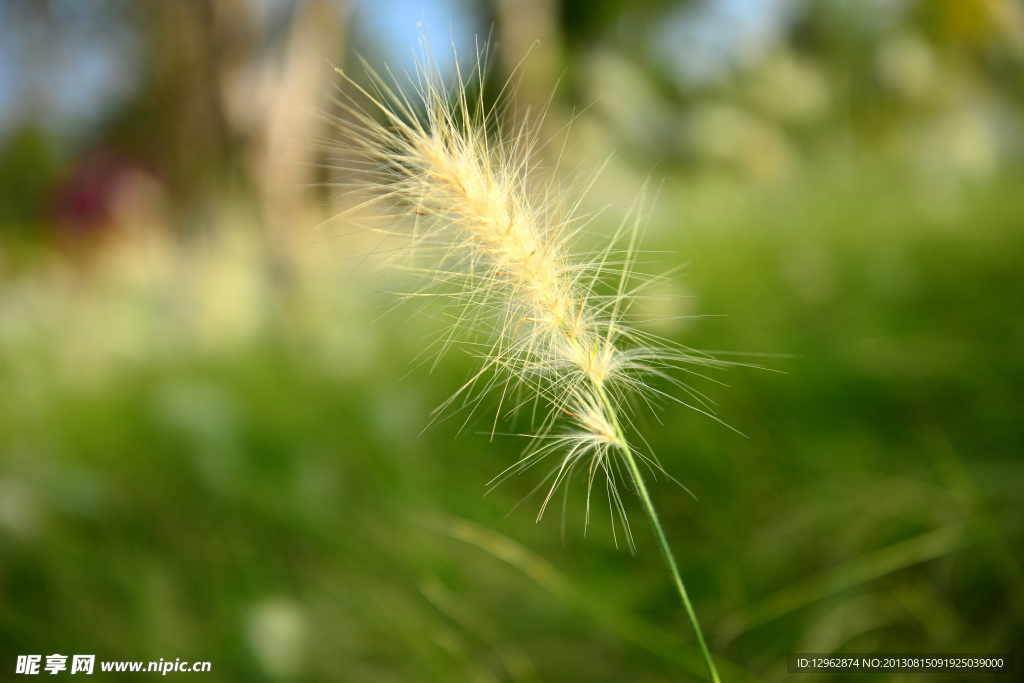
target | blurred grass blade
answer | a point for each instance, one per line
(651, 638)
(958, 479)
(927, 546)
(517, 663)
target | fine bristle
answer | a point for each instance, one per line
(498, 237)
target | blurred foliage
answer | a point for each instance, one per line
(210, 449)
(200, 478)
(26, 169)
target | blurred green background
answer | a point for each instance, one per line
(210, 449)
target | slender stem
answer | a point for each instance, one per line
(645, 498)
(659, 534)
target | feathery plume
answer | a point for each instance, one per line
(496, 235)
(487, 228)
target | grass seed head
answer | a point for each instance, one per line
(488, 229)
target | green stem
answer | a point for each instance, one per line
(645, 498)
(659, 534)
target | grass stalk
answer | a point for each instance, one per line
(551, 323)
(663, 544)
(670, 560)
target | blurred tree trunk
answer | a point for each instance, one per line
(192, 49)
(531, 42)
(287, 154)
(533, 54)
(288, 135)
